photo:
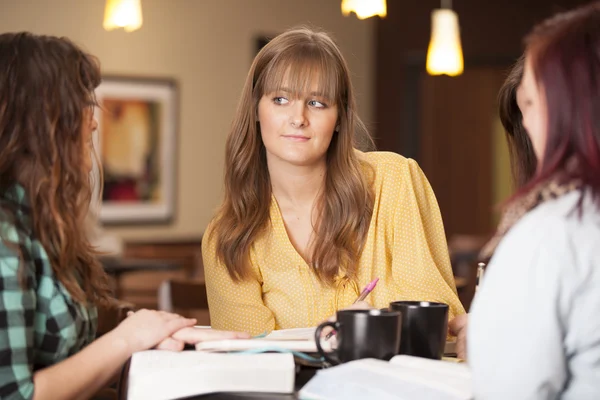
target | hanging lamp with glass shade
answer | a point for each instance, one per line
(445, 56)
(364, 8)
(126, 14)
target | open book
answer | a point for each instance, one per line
(403, 377)
(165, 375)
(298, 339)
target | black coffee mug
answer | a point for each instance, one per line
(362, 334)
(424, 328)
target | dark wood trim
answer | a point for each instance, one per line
(413, 67)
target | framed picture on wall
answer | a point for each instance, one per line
(136, 143)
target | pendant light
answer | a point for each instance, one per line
(444, 55)
(126, 14)
(364, 8)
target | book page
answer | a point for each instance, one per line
(381, 380)
(296, 339)
(304, 346)
(165, 375)
(450, 377)
(461, 371)
(292, 334)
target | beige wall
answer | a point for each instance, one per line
(207, 46)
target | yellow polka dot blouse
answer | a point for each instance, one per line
(405, 248)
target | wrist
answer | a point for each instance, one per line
(119, 344)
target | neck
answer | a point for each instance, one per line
(296, 186)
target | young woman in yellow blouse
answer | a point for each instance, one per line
(307, 219)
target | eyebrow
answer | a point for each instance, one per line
(288, 90)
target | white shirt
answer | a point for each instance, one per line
(534, 329)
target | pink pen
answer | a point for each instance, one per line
(363, 295)
(368, 289)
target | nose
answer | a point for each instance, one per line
(298, 115)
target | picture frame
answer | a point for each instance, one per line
(136, 145)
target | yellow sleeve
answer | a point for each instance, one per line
(234, 306)
(421, 263)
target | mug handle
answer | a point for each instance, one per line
(334, 325)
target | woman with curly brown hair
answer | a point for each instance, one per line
(50, 278)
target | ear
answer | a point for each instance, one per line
(337, 128)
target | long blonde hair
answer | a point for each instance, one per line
(295, 59)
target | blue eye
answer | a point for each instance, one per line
(318, 104)
(280, 100)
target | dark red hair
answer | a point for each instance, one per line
(566, 64)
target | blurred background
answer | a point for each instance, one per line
(204, 48)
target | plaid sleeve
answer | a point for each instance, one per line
(17, 309)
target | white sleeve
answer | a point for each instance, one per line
(515, 333)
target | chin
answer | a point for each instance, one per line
(300, 160)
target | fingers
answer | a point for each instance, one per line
(461, 344)
(458, 327)
(326, 331)
(175, 324)
(192, 335)
(461, 349)
(361, 305)
(167, 316)
(213, 334)
(458, 324)
(170, 344)
(147, 329)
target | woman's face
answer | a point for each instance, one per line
(532, 103)
(297, 129)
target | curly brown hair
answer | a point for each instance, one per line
(46, 90)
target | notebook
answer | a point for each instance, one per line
(165, 375)
(403, 377)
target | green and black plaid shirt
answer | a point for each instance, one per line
(40, 324)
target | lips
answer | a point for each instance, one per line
(298, 138)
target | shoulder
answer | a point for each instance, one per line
(12, 235)
(390, 165)
(560, 218)
(386, 160)
(557, 234)
(16, 250)
(208, 238)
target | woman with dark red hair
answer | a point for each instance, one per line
(542, 341)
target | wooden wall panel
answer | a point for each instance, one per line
(141, 288)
